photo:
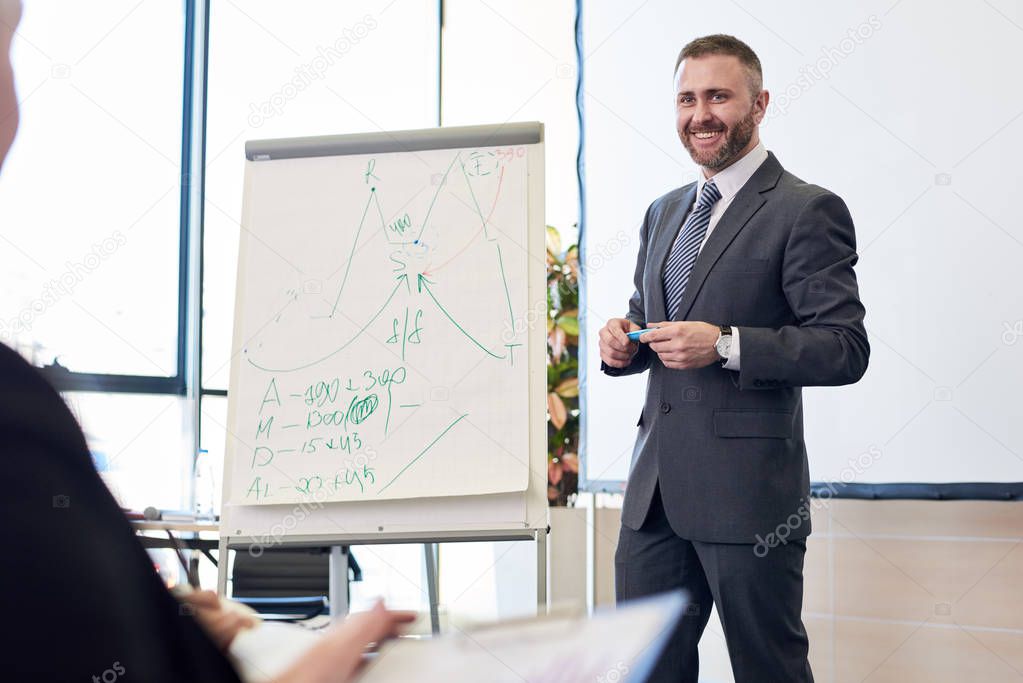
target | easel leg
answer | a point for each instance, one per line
(430, 550)
(541, 571)
(222, 564)
(338, 582)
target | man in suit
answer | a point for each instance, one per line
(748, 276)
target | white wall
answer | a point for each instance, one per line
(913, 117)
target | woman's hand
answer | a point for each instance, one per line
(340, 655)
(220, 623)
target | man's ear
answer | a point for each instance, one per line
(763, 99)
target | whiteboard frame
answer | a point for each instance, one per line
(504, 516)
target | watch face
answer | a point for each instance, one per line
(724, 345)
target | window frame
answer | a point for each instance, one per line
(64, 379)
(187, 382)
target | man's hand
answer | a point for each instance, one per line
(683, 345)
(615, 347)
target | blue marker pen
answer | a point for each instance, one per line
(634, 336)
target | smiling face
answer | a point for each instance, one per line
(717, 114)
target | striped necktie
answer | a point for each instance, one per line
(687, 248)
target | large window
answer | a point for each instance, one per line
(89, 248)
(114, 143)
(91, 190)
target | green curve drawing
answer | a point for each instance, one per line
(343, 346)
(424, 284)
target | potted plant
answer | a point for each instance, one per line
(562, 370)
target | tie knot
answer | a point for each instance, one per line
(709, 194)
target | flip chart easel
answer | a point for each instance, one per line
(388, 378)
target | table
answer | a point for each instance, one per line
(178, 543)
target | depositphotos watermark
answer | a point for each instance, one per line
(831, 57)
(53, 291)
(276, 533)
(110, 675)
(615, 674)
(1011, 332)
(597, 256)
(291, 520)
(313, 70)
(781, 534)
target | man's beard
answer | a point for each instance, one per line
(736, 139)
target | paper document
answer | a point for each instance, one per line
(610, 647)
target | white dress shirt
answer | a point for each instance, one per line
(729, 182)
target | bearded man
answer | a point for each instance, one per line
(747, 276)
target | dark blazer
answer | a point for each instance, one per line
(727, 447)
(81, 594)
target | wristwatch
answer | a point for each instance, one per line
(724, 343)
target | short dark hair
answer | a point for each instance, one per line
(722, 44)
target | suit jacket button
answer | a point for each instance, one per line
(665, 408)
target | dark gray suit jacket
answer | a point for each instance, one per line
(727, 447)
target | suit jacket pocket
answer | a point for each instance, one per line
(753, 423)
(741, 265)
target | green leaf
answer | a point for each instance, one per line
(569, 365)
(570, 324)
(553, 376)
(554, 241)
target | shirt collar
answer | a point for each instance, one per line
(730, 180)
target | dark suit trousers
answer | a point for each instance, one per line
(759, 600)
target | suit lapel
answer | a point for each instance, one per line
(745, 204)
(664, 236)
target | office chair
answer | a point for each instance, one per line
(287, 584)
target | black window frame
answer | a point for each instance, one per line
(66, 380)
